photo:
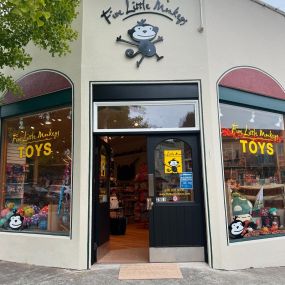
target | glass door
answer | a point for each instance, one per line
(175, 193)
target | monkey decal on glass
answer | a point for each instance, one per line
(142, 35)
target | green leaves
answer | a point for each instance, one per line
(47, 23)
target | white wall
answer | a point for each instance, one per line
(239, 33)
(55, 250)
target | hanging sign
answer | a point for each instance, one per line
(138, 7)
(172, 161)
(186, 180)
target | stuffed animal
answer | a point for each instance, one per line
(236, 229)
(15, 222)
(241, 206)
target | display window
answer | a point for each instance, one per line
(254, 171)
(36, 164)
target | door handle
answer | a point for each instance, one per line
(149, 204)
(150, 185)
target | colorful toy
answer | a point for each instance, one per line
(236, 229)
(44, 210)
(241, 206)
(15, 222)
(36, 209)
(27, 222)
(10, 205)
(35, 219)
(21, 211)
(29, 211)
(4, 212)
(2, 222)
(43, 224)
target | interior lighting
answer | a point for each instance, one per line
(47, 121)
(69, 115)
(32, 127)
(59, 120)
(21, 124)
(278, 124)
(252, 119)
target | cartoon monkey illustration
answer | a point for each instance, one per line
(142, 34)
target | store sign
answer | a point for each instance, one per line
(35, 144)
(253, 140)
(172, 161)
(186, 180)
(138, 7)
(143, 36)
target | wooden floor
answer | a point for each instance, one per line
(129, 248)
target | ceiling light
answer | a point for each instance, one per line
(53, 120)
(69, 115)
(47, 121)
(59, 120)
(278, 124)
(32, 127)
(21, 124)
(42, 124)
(252, 117)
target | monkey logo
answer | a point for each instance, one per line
(173, 164)
(236, 228)
(142, 34)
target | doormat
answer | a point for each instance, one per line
(150, 271)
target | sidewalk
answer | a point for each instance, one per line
(193, 273)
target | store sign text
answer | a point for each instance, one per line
(134, 8)
(36, 149)
(35, 144)
(253, 140)
(253, 147)
(251, 134)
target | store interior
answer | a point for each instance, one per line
(129, 221)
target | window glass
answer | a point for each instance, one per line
(36, 172)
(173, 171)
(254, 171)
(146, 116)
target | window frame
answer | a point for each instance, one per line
(145, 103)
(42, 103)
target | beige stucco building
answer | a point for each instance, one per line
(224, 50)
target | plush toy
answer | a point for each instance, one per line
(10, 205)
(15, 222)
(36, 209)
(35, 219)
(44, 210)
(2, 222)
(27, 222)
(21, 212)
(4, 212)
(43, 224)
(236, 229)
(273, 211)
(241, 206)
(29, 211)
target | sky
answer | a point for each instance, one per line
(280, 4)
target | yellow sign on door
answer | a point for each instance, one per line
(172, 161)
(103, 165)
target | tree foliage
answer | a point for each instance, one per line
(46, 23)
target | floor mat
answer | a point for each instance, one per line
(150, 271)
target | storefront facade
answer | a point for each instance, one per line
(213, 55)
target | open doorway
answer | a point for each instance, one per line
(122, 190)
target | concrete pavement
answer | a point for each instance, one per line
(193, 273)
